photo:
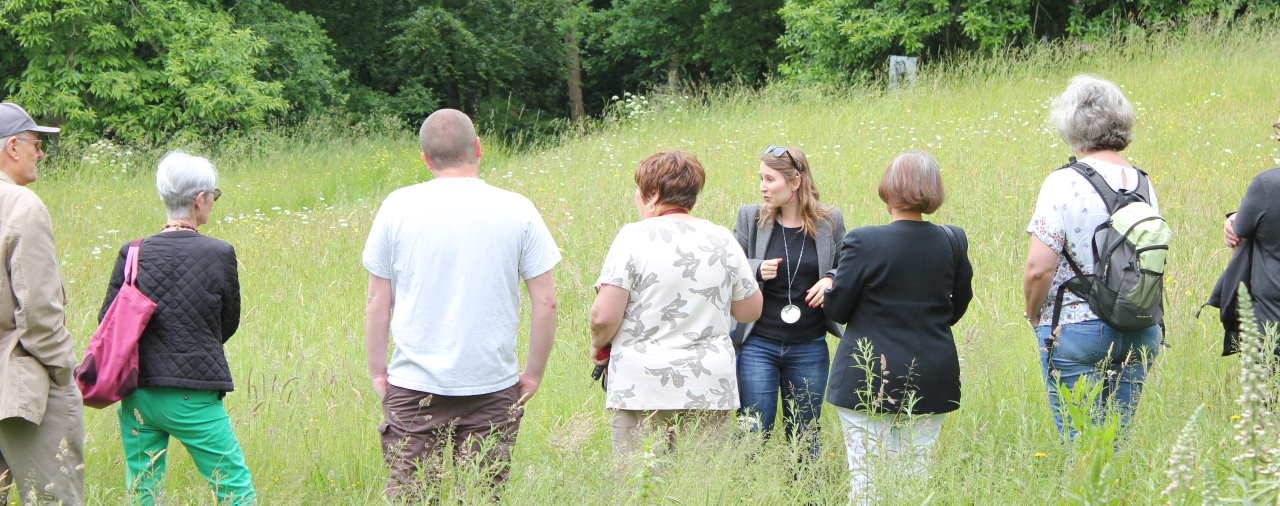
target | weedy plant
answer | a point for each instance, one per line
(1252, 473)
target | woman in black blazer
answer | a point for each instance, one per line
(791, 241)
(900, 287)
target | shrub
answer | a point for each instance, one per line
(137, 70)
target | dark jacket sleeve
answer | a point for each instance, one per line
(846, 288)
(962, 292)
(231, 297)
(1252, 208)
(117, 279)
(837, 240)
(742, 230)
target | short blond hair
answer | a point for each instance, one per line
(913, 182)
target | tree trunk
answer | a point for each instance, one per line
(673, 73)
(576, 110)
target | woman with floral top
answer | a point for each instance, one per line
(666, 292)
(1096, 120)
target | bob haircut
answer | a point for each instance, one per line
(180, 177)
(912, 182)
(1092, 114)
(675, 178)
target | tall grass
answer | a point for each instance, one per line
(298, 207)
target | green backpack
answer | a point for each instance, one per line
(1126, 288)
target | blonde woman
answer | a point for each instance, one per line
(791, 240)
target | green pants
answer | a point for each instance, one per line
(197, 419)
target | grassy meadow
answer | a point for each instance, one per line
(298, 207)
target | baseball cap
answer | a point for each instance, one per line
(15, 120)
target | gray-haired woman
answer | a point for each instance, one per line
(183, 372)
(1094, 117)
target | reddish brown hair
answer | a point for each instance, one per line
(675, 178)
(912, 182)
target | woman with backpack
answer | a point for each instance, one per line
(1077, 340)
(900, 287)
(182, 368)
(791, 241)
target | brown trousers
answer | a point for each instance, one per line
(418, 426)
(46, 461)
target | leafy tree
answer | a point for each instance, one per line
(138, 69)
(299, 56)
(738, 39)
(490, 58)
(661, 31)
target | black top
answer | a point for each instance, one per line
(900, 289)
(1258, 222)
(812, 322)
(194, 282)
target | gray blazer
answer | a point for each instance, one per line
(755, 240)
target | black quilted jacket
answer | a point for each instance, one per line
(194, 283)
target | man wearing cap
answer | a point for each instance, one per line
(41, 418)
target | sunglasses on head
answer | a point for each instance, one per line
(779, 151)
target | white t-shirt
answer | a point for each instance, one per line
(1069, 209)
(673, 349)
(456, 250)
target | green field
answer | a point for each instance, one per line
(297, 208)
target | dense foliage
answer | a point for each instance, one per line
(141, 70)
(828, 40)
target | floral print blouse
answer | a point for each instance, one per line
(1067, 212)
(673, 349)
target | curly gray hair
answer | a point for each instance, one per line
(1092, 114)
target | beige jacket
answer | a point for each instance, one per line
(35, 347)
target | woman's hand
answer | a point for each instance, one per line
(817, 293)
(595, 351)
(1229, 231)
(769, 268)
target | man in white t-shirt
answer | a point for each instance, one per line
(445, 260)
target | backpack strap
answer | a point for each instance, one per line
(1144, 186)
(1110, 197)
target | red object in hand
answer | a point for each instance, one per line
(601, 354)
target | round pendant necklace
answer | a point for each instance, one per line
(791, 313)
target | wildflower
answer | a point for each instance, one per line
(1039, 454)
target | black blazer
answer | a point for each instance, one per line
(755, 240)
(900, 288)
(193, 280)
(1256, 262)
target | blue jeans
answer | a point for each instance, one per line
(1094, 350)
(799, 371)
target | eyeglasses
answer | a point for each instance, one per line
(779, 151)
(38, 142)
(217, 193)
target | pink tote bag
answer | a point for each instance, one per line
(109, 371)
